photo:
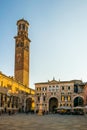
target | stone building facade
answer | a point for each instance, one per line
(14, 95)
(56, 94)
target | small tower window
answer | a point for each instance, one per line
(21, 44)
(17, 45)
(19, 26)
(23, 26)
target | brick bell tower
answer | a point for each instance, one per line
(22, 53)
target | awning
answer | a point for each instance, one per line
(78, 107)
(64, 107)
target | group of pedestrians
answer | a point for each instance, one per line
(9, 112)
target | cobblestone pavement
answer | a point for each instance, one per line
(46, 122)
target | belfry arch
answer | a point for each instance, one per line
(53, 103)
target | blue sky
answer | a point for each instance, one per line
(58, 31)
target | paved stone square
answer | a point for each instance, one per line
(46, 122)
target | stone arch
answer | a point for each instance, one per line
(78, 101)
(28, 104)
(78, 96)
(53, 103)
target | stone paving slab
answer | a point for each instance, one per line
(46, 122)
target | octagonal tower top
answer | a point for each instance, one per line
(22, 27)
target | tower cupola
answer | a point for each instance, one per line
(22, 27)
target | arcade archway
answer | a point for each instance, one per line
(78, 101)
(53, 103)
(28, 104)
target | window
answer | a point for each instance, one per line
(37, 89)
(69, 98)
(76, 88)
(44, 89)
(23, 26)
(62, 98)
(44, 98)
(51, 93)
(21, 44)
(55, 93)
(17, 45)
(49, 88)
(68, 87)
(62, 87)
(38, 99)
(19, 26)
(57, 87)
(66, 98)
